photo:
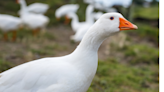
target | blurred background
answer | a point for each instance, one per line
(128, 61)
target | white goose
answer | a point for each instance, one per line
(38, 8)
(75, 24)
(70, 73)
(101, 5)
(81, 27)
(36, 22)
(84, 28)
(9, 23)
(97, 15)
(63, 10)
(108, 4)
(88, 1)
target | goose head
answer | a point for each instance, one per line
(63, 10)
(107, 25)
(110, 23)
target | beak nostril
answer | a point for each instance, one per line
(126, 24)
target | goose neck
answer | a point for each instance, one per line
(91, 40)
(23, 6)
(89, 14)
(75, 20)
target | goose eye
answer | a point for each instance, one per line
(111, 18)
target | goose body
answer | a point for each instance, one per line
(38, 8)
(70, 73)
(81, 27)
(78, 36)
(63, 10)
(76, 25)
(106, 5)
(33, 79)
(88, 1)
(111, 3)
(31, 20)
(125, 3)
(9, 23)
(34, 21)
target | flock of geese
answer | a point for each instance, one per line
(33, 18)
(80, 28)
(70, 73)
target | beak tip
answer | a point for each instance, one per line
(135, 27)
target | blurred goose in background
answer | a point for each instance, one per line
(65, 9)
(88, 1)
(107, 5)
(80, 28)
(99, 4)
(9, 23)
(97, 15)
(36, 22)
(70, 73)
(75, 24)
(38, 8)
(104, 5)
(84, 28)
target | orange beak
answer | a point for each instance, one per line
(126, 25)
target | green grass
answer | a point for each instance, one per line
(139, 54)
(48, 49)
(4, 65)
(145, 31)
(41, 52)
(56, 46)
(148, 13)
(113, 76)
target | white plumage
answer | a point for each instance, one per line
(78, 36)
(70, 73)
(9, 23)
(110, 3)
(88, 1)
(75, 24)
(97, 15)
(31, 20)
(65, 9)
(38, 8)
(81, 27)
(34, 21)
(107, 5)
(85, 27)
